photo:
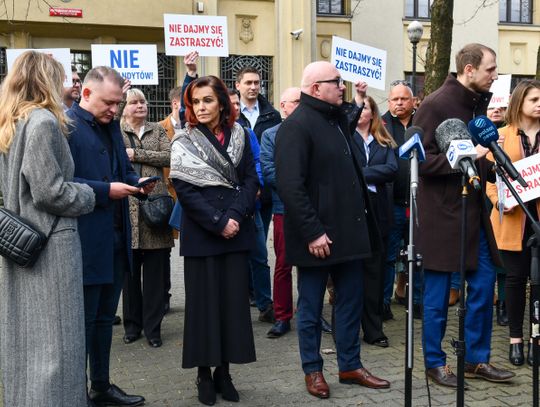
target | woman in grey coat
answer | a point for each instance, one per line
(42, 348)
(143, 299)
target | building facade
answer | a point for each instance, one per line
(260, 33)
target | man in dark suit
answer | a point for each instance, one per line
(329, 226)
(102, 163)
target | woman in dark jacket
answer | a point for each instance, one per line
(380, 170)
(148, 148)
(215, 180)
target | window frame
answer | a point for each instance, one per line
(330, 13)
(508, 16)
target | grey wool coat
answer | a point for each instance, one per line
(42, 345)
(152, 153)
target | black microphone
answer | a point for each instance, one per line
(454, 140)
(485, 133)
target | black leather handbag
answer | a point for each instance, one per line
(20, 241)
(156, 210)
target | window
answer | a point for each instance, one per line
(232, 64)
(3, 64)
(81, 61)
(515, 11)
(332, 7)
(418, 8)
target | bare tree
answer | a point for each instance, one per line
(439, 45)
(537, 76)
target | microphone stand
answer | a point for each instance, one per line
(534, 299)
(459, 345)
(414, 261)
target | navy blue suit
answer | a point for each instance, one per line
(100, 158)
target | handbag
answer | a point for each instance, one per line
(156, 210)
(20, 241)
(176, 216)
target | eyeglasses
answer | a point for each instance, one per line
(400, 82)
(77, 81)
(295, 101)
(337, 81)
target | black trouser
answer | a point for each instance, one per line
(143, 298)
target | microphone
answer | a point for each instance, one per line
(460, 155)
(414, 136)
(413, 150)
(454, 140)
(485, 133)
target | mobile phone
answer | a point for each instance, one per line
(146, 182)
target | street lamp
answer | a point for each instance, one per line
(414, 32)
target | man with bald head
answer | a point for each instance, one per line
(282, 294)
(329, 227)
(397, 120)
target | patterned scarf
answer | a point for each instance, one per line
(195, 160)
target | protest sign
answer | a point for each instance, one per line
(62, 55)
(205, 34)
(358, 62)
(501, 91)
(138, 63)
(529, 168)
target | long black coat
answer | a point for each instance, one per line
(380, 170)
(207, 210)
(439, 191)
(321, 185)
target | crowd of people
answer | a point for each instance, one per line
(327, 176)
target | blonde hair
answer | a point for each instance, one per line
(133, 93)
(34, 81)
(382, 136)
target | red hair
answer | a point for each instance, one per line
(226, 117)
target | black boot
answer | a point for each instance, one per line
(502, 316)
(223, 383)
(515, 354)
(205, 387)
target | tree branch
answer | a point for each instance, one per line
(483, 4)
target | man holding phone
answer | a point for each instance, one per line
(102, 163)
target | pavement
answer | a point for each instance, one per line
(276, 378)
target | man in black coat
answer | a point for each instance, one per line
(327, 228)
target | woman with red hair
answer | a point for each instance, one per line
(214, 178)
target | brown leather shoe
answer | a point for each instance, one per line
(487, 372)
(454, 297)
(363, 378)
(317, 386)
(443, 375)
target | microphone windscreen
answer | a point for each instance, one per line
(449, 130)
(483, 131)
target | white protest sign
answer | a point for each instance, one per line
(501, 91)
(358, 62)
(62, 55)
(529, 168)
(138, 63)
(186, 33)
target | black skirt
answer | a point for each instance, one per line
(217, 324)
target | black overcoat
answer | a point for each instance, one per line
(439, 191)
(319, 179)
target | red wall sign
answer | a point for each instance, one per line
(65, 12)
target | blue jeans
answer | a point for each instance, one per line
(100, 304)
(478, 319)
(348, 283)
(455, 280)
(258, 262)
(398, 233)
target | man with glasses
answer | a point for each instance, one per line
(283, 308)
(397, 120)
(72, 93)
(329, 226)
